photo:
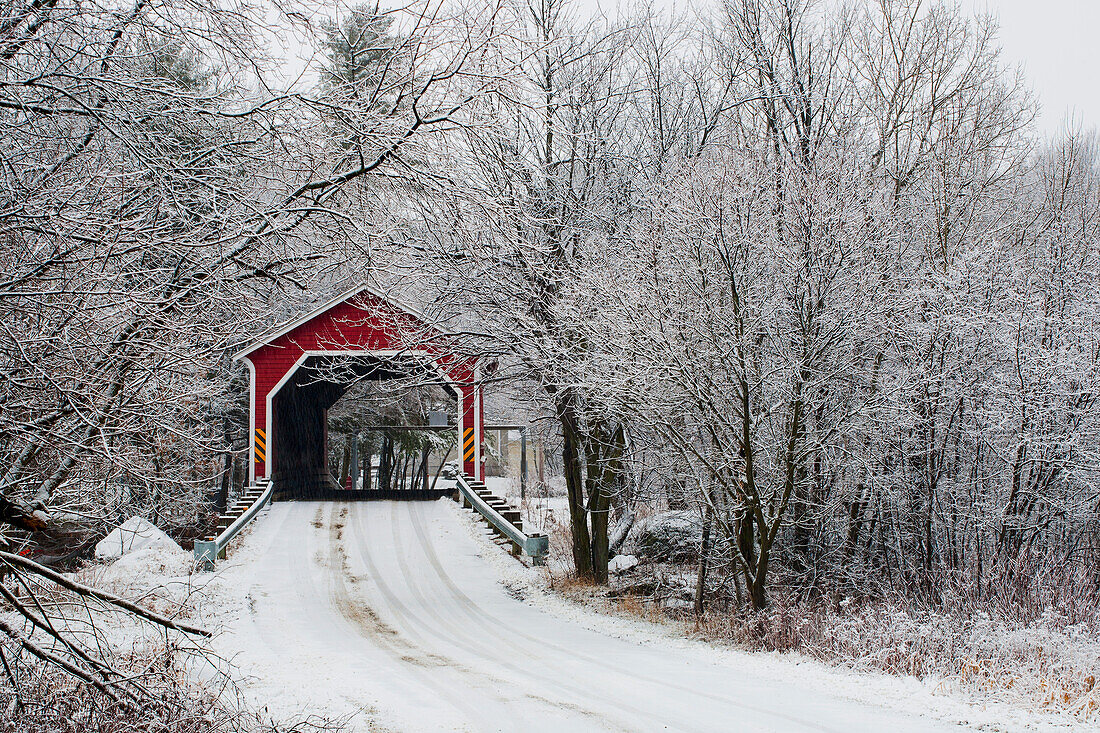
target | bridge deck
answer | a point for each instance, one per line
(372, 495)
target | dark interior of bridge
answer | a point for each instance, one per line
(300, 410)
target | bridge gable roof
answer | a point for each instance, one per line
(361, 318)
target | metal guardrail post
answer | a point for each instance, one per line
(537, 548)
(206, 552)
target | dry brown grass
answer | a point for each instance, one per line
(605, 600)
(1049, 664)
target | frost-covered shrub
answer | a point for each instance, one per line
(44, 699)
(1048, 662)
(666, 537)
(133, 535)
(621, 564)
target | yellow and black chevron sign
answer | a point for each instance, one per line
(261, 445)
(468, 445)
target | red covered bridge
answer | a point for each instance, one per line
(372, 337)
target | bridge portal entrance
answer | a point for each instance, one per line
(300, 369)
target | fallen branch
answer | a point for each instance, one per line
(31, 566)
(47, 656)
(20, 515)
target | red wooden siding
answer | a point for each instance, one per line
(362, 322)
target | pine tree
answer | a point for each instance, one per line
(358, 51)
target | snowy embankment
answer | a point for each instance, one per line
(79, 653)
(406, 617)
(1045, 667)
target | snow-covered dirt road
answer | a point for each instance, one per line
(394, 613)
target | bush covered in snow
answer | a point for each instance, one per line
(666, 537)
(157, 681)
(621, 563)
(46, 700)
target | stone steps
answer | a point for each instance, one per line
(511, 514)
(240, 506)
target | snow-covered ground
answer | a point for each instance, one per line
(404, 616)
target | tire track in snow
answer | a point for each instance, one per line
(390, 631)
(365, 620)
(308, 568)
(459, 635)
(270, 551)
(359, 613)
(495, 684)
(488, 621)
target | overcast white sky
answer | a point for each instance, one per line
(1057, 42)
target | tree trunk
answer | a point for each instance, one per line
(345, 463)
(600, 508)
(704, 557)
(385, 463)
(222, 499)
(605, 464)
(758, 593)
(574, 485)
(21, 515)
(402, 474)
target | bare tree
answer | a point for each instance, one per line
(156, 194)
